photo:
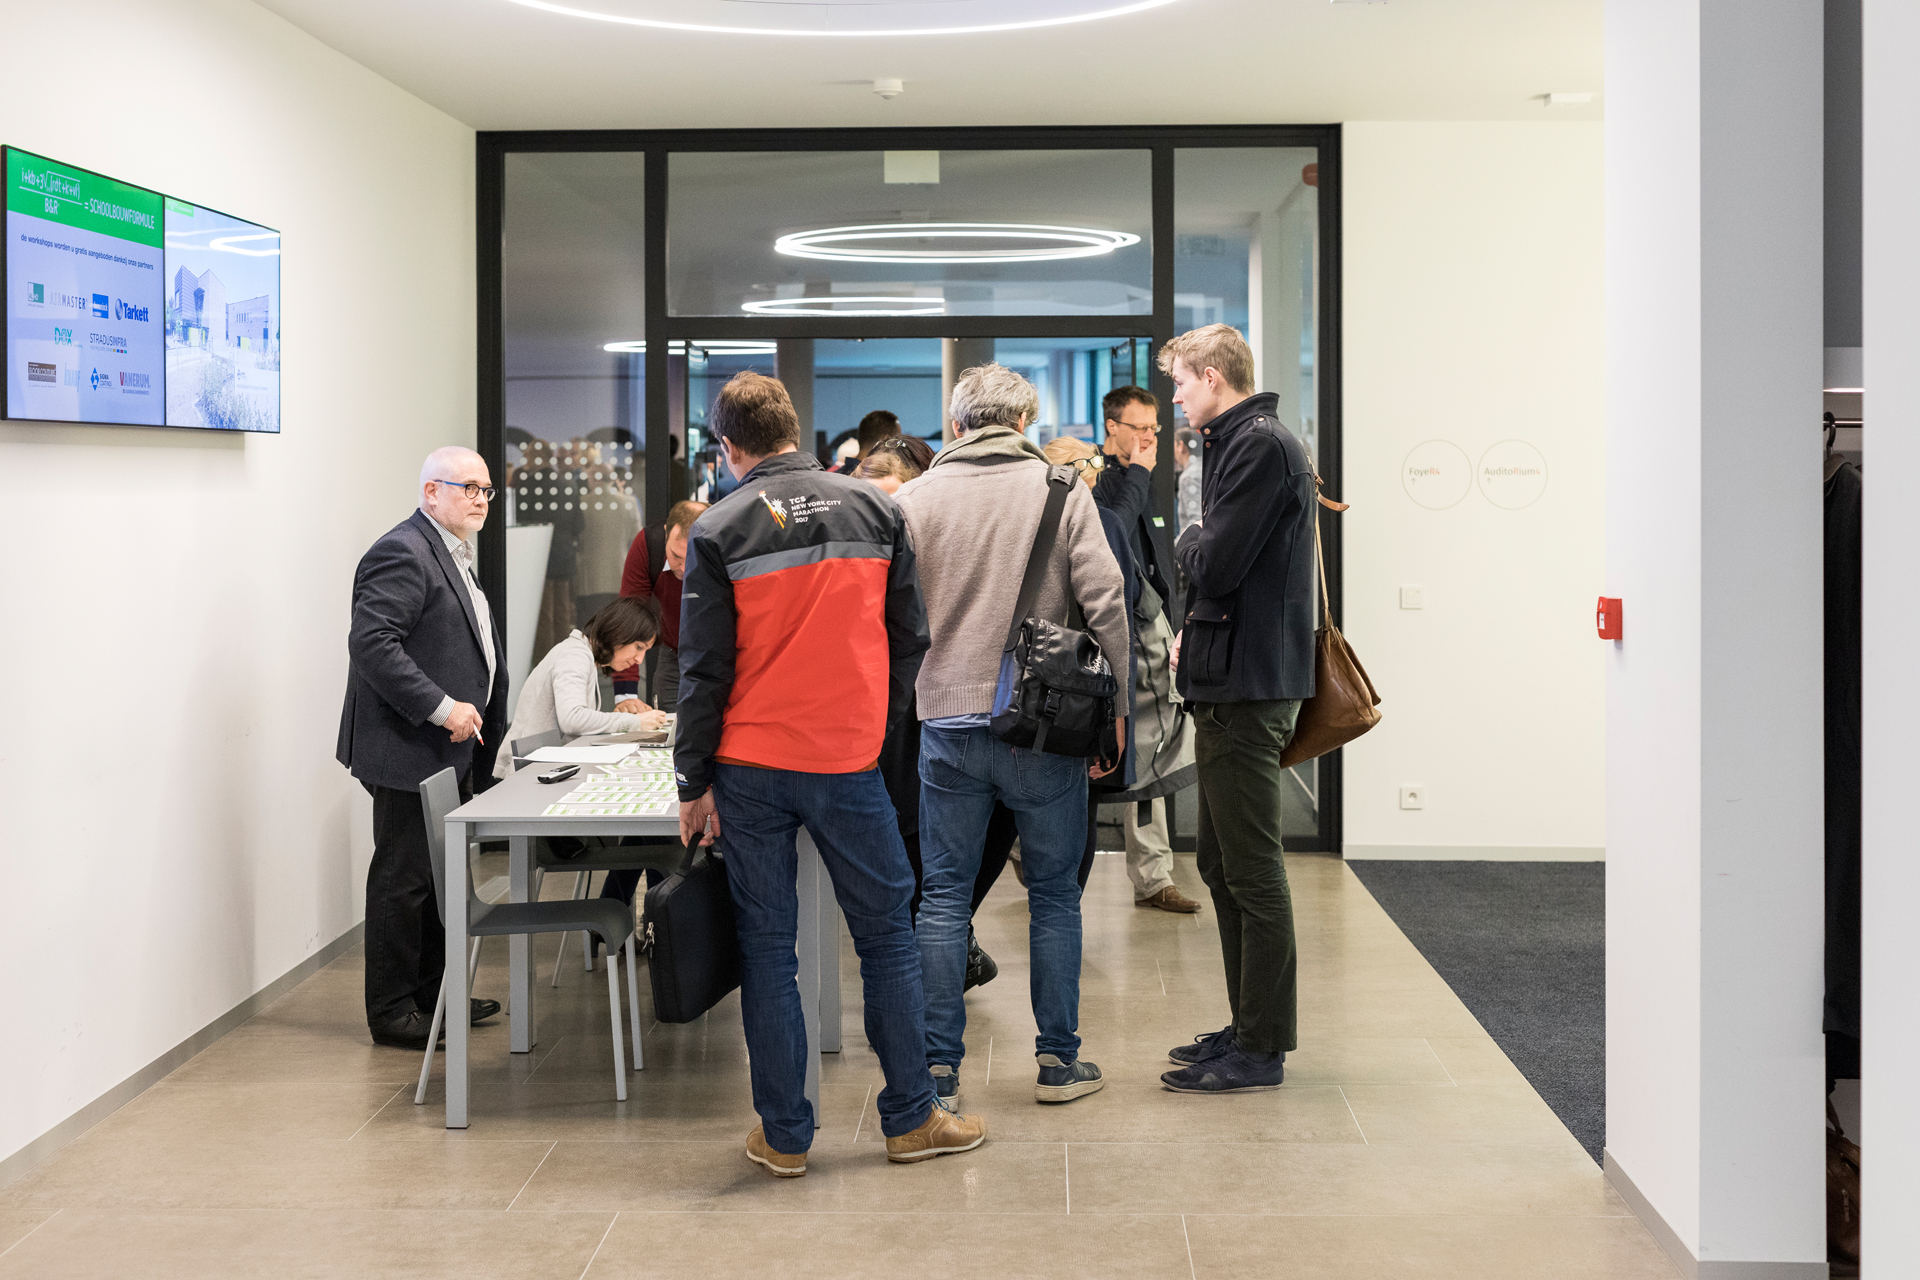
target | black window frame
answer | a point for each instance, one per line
(665, 483)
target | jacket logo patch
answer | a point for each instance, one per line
(776, 507)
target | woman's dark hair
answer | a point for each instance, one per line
(624, 620)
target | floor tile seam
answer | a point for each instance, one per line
(36, 1226)
(530, 1177)
(603, 1244)
(377, 1110)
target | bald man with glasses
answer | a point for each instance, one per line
(426, 689)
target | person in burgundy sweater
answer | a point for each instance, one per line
(654, 564)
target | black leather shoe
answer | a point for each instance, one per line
(482, 1010)
(409, 1032)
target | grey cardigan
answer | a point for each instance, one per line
(973, 518)
(563, 693)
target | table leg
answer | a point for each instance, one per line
(520, 1031)
(810, 882)
(456, 893)
(829, 966)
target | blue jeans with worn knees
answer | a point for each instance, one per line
(853, 824)
(962, 772)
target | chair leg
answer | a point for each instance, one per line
(560, 952)
(633, 1004)
(586, 939)
(439, 1013)
(613, 1012)
(433, 1038)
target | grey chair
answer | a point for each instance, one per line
(613, 921)
(650, 853)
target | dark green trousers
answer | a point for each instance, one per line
(1237, 746)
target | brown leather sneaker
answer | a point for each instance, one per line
(777, 1163)
(1169, 899)
(943, 1134)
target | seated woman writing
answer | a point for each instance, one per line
(563, 692)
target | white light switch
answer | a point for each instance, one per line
(1412, 598)
(1413, 797)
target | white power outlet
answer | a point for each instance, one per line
(1413, 797)
(1413, 598)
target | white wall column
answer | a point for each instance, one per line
(1715, 1071)
(1890, 944)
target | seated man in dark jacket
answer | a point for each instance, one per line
(1246, 664)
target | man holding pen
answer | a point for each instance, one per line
(426, 689)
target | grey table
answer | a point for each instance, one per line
(513, 810)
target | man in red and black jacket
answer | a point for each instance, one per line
(801, 631)
(656, 564)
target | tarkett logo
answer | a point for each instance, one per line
(124, 310)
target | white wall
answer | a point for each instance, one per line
(1474, 303)
(1890, 1105)
(1714, 713)
(176, 833)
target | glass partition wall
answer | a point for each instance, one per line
(625, 276)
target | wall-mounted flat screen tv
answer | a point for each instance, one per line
(223, 320)
(127, 306)
(85, 321)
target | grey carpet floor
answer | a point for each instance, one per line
(1523, 944)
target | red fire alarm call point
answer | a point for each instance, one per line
(1607, 618)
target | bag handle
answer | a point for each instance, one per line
(1043, 539)
(1320, 553)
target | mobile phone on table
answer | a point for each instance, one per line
(560, 774)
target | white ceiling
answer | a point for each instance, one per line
(494, 64)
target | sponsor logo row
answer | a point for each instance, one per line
(42, 373)
(100, 305)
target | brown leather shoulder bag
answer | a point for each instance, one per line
(1344, 704)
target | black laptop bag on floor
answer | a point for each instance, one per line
(693, 954)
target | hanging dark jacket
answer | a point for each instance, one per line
(1251, 608)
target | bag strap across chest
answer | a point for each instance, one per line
(1060, 482)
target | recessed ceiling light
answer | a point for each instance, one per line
(841, 18)
(839, 304)
(1019, 242)
(718, 347)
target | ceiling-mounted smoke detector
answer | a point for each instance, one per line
(889, 89)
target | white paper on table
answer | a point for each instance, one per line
(582, 755)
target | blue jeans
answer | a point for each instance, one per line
(961, 774)
(853, 824)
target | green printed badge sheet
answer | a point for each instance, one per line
(639, 795)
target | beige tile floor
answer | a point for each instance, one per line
(1404, 1144)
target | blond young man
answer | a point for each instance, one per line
(1245, 664)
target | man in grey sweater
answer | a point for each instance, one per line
(973, 518)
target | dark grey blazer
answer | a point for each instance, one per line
(415, 639)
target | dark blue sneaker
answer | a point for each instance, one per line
(1064, 1081)
(1235, 1071)
(1202, 1048)
(946, 1087)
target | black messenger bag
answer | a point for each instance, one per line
(693, 954)
(1056, 690)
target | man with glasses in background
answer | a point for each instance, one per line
(1160, 738)
(426, 690)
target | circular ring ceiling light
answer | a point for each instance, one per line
(678, 347)
(847, 17)
(1018, 242)
(839, 304)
